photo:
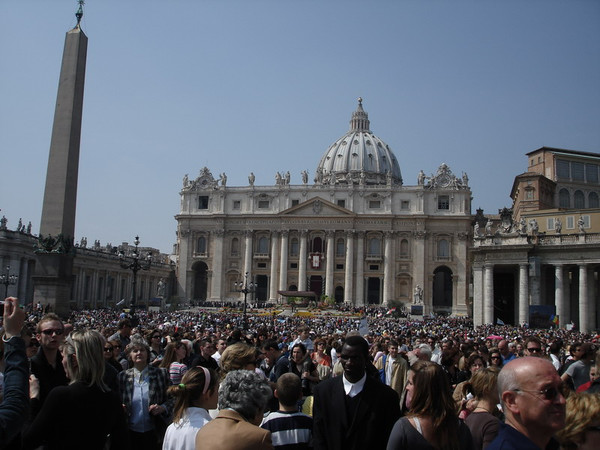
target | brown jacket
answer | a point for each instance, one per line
(230, 431)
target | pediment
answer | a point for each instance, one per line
(316, 207)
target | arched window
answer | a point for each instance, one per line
(294, 247)
(593, 200)
(235, 247)
(564, 199)
(375, 247)
(443, 249)
(404, 251)
(201, 248)
(579, 200)
(263, 245)
(340, 249)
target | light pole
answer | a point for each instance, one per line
(134, 263)
(7, 279)
(245, 288)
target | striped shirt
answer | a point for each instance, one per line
(289, 430)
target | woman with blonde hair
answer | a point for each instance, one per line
(84, 414)
(194, 397)
(175, 354)
(238, 356)
(582, 428)
(483, 421)
(432, 422)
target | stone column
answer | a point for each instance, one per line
(283, 262)
(302, 261)
(559, 294)
(184, 273)
(388, 268)
(216, 291)
(584, 306)
(488, 294)
(360, 269)
(329, 264)
(419, 269)
(535, 280)
(523, 293)
(273, 282)
(348, 294)
(248, 254)
(477, 296)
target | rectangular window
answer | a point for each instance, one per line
(373, 267)
(263, 204)
(203, 202)
(374, 204)
(577, 171)
(339, 267)
(341, 203)
(529, 194)
(295, 202)
(562, 169)
(570, 222)
(550, 224)
(293, 265)
(586, 221)
(237, 204)
(405, 204)
(262, 265)
(443, 202)
(591, 173)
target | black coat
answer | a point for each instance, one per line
(376, 412)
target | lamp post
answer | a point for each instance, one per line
(7, 279)
(134, 263)
(245, 288)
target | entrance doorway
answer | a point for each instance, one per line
(200, 280)
(262, 284)
(316, 285)
(373, 291)
(442, 290)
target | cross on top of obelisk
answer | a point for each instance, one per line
(79, 13)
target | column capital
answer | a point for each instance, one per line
(389, 234)
(420, 234)
(285, 233)
(275, 233)
(360, 234)
(218, 233)
(248, 233)
(350, 233)
(303, 233)
(330, 233)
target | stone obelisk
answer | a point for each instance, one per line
(54, 267)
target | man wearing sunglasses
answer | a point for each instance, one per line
(46, 365)
(533, 404)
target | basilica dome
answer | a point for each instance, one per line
(359, 157)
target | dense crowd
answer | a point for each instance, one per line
(143, 379)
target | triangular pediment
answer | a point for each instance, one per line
(316, 207)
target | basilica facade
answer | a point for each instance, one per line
(354, 232)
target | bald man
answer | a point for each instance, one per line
(533, 405)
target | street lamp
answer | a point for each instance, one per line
(245, 288)
(7, 279)
(134, 263)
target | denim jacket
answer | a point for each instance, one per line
(15, 405)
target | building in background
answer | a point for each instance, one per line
(354, 233)
(546, 249)
(98, 280)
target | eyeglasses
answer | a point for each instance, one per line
(495, 357)
(534, 350)
(108, 349)
(52, 331)
(547, 394)
(156, 337)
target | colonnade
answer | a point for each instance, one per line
(530, 293)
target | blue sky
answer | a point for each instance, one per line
(268, 85)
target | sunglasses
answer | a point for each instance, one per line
(34, 344)
(547, 394)
(156, 337)
(534, 350)
(51, 331)
(108, 349)
(495, 357)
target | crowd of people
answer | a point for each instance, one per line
(354, 379)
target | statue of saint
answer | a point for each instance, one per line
(557, 225)
(421, 178)
(488, 227)
(581, 224)
(418, 295)
(223, 179)
(186, 180)
(304, 177)
(251, 179)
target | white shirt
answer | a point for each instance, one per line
(389, 368)
(182, 435)
(353, 389)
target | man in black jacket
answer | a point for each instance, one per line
(355, 410)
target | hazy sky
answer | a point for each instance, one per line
(268, 85)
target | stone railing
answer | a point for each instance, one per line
(538, 239)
